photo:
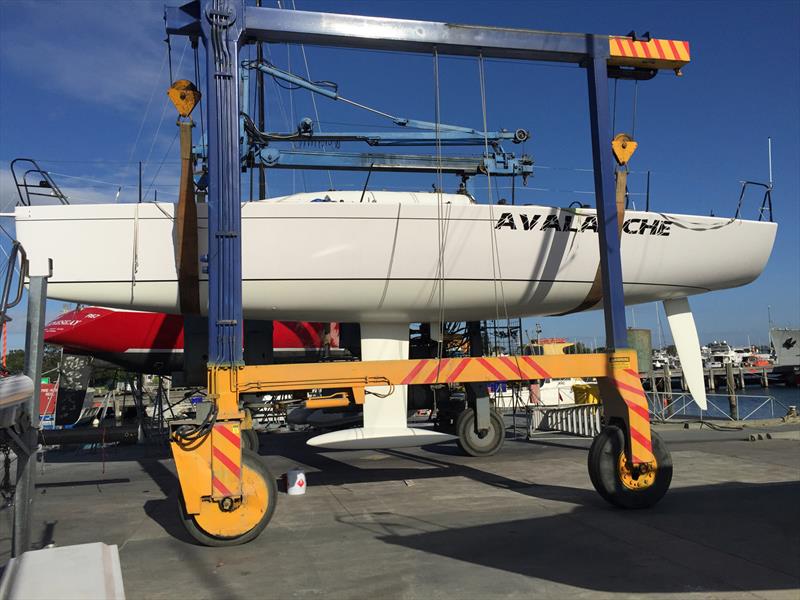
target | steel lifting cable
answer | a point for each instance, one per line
(635, 104)
(147, 109)
(313, 99)
(489, 183)
(163, 112)
(440, 231)
(498, 273)
(200, 102)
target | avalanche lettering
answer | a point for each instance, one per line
(579, 224)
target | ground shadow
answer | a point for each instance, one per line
(714, 538)
(323, 469)
(165, 511)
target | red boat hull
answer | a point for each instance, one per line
(153, 342)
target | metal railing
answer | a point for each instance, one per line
(46, 187)
(17, 253)
(665, 407)
(577, 419)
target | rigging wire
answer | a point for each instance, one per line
(196, 49)
(313, 99)
(156, 83)
(161, 164)
(86, 179)
(489, 184)
(169, 55)
(498, 273)
(163, 112)
(439, 208)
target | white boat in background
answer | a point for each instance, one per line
(325, 257)
(721, 354)
(553, 393)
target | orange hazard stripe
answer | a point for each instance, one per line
(414, 372)
(232, 466)
(457, 371)
(488, 366)
(536, 367)
(637, 435)
(436, 371)
(511, 365)
(638, 409)
(630, 388)
(672, 50)
(228, 435)
(220, 486)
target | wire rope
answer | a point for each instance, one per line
(147, 108)
(439, 210)
(163, 112)
(313, 99)
(497, 273)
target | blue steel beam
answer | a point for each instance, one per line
(333, 93)
(379, 33)
(222, 26)
(404, 138)
(605, 199)
(495, 164)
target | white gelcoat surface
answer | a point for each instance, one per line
(378, 261)
(687, 343)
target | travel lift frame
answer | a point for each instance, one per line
(228, 496)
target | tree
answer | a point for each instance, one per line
(577, 348)
(15, 360)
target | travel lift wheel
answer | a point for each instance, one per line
(216, 526)
(485, 443)
(615, 481)
(250, 440)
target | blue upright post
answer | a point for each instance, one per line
(605, 200)
(222, 22)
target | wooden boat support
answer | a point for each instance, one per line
(212, 466)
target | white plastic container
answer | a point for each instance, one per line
(296, 482)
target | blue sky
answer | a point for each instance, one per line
(82, 87)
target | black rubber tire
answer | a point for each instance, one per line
(250, 440)
(469, 441)
(254, 462)
(603, 462)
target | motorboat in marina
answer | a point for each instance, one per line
(720, 354)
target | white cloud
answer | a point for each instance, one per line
(103, 52)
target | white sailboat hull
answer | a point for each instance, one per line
(379, 262)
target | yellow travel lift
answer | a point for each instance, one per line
(227, 494)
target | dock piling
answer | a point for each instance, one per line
(730, 381)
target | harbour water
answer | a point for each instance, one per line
(754, 402)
